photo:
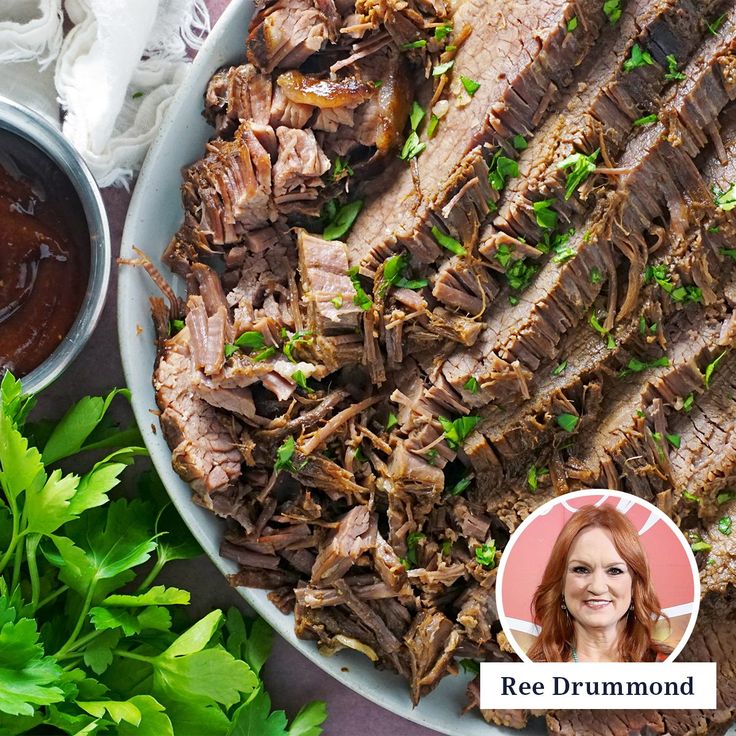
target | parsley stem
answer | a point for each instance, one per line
(132, 655)
(81, 642)
(32, 541)
(80, 621)
(15, 537)
(17, 563)
(153, 574)
(52, 596)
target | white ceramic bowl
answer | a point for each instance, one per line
(154, 216)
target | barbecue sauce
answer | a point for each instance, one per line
(44, 256)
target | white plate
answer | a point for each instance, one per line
(154, 216)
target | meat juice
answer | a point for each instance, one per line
(44, 255)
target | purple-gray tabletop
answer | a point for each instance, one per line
(291, 679)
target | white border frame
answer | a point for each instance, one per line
(629, 500)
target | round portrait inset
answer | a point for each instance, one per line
(597, 576)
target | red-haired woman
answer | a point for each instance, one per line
(596, 602)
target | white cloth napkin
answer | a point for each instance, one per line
(114, 72)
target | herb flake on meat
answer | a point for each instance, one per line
(581, 167)
(457, 430)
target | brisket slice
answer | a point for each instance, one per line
(204, 448)
(327, 290)
(519, 53)
(719, 569)
(602, 114)
(286, 33)
(654, 173)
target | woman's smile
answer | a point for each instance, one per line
(597, 581)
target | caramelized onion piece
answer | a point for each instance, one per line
(324, 93)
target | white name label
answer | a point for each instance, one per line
(598, 685)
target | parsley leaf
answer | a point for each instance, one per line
(441, 69)
(639, 57)
(472, 385)
(637, 366)
(725, 200)
(448, 242)
(612, 9)
(711, 367)
(602, 331)
(560, 368)
(646, 120)
(533, 475)
(546, 217)
(485, 555)
(572, 24)
(28, 678)
(672, 72)
(419, 44)
(581, 167)
(457, 430)
(568, 422)
(724, 525)
(345, 218)
(361, 299)
(501, 168)
(471, 87)
(442, 31)
(715, 25)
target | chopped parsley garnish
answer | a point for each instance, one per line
(393, 274)
(724, 525)
(457, 430)
(645, 329)
(301, 337)
(137, 95)
(264, 354)
(688, 402)
(513, 300)
(470, 666)
(392, 421)
(336, 301)
(417, 115)
(485, 555)
(412, 541)
(715, 25)
(175, 325)
(442, 31)
(637, 366)
(251, 340)
(725, 200)
(595, 275)
(284, 456)
(581, 167)
(300, 380)
(412, 148)
(520, 274)
(647, 119)
(674, 439)
(562, 251)
(639, 57)
(711, 367)
(434, 121)
(533, 475)
(457, 488)
(472, 385)
(690, 497)
(546, 217)
(700, 546)
(729, 252)
(612, 9)
(602, 331)
(519, 142)
(501, 168)
(659, 274)
(572, 24)
(471, 86)
(725, 497)
(361, 299)
(672, 72)
(568, 422)
(344, 219)
(340, 169)
(441, 69)
(431, 455)
(419, 44)
(230, 349)
(560, 368)
(448, 242)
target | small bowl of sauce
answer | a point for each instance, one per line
(54, 249)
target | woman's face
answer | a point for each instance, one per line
(597, 581)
